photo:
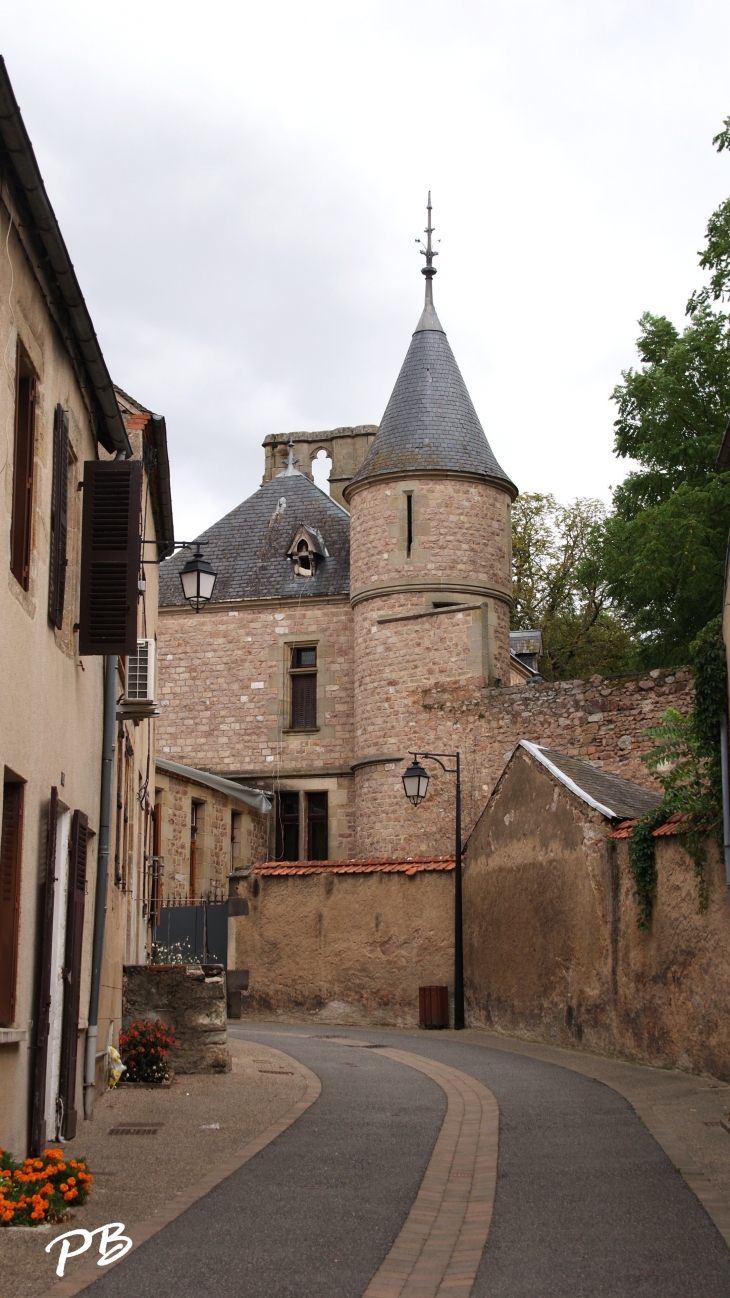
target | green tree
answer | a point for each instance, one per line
(663, 553)
(559, 587)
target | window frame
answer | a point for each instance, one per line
(297, 672)
(315, 820)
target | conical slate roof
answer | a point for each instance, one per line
(430, 422)
(248, 548)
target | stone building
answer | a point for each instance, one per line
(338, 642)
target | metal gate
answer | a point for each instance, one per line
(197, 931)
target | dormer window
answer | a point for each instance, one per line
(306, 551)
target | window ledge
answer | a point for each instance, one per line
(10, 1035)
(302, 730)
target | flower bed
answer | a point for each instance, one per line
(41, 1190)
(144, 1048)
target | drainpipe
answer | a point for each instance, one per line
(725, 796)
(102, 876)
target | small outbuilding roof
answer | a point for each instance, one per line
(614, 797)
(249, 547)
(372, 865)
(255, 798)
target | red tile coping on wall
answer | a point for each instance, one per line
(673, 825)
(369, 865)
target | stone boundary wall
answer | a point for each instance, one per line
(342, 948)
(602, 721)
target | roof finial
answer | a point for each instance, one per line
(291, 461)
(429, 319)
(429, 270)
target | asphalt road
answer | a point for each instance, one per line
(588, 1205)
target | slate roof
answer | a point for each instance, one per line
(248, 548)
(616, 798)
(371, 865)
(430, 421)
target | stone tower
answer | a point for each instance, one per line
(430, 586)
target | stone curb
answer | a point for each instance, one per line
(440, 1245)
(89, 1272)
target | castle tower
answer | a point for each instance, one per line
(430, 585)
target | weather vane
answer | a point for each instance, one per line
(429, 270)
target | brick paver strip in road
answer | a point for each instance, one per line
(86, 1274)
(440, 1246)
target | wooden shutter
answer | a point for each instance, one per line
(110, 556)
(304, 701)
(72, 971)
(11, 839)
(59, 518)
(24, 455)
(38, 1112)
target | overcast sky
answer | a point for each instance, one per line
(240, 186)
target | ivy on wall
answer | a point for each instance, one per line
(686, 761)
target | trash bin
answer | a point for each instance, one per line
(433, 1007)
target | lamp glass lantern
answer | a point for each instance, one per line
(197, 579)
(415, 782)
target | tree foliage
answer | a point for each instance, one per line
(664, 547)
(558, 587)
(686, 761)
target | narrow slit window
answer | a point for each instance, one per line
(409, 524)
(317, 837)
(10, 852)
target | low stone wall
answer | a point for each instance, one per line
(349, 948)
(552, 948)
(190, 1001)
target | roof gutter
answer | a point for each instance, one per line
(164, 494)
(15, 142)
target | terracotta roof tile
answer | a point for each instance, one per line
(368, 865)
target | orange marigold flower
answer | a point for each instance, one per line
(37, 1162)
(71, 1195)
(72, 1180)
(63, 1186)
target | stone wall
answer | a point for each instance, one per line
(602, 721)
(187, 1001)
(346, 948)
(552, 948)
(224, 687)
(214, 858)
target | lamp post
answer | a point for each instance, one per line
(197, 578)
(415, 786)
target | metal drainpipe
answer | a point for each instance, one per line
(102, 876)
(725, 796)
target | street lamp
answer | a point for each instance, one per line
(415, 786)
(197, 579)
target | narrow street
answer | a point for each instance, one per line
(587, 1203)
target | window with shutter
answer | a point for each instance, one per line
(110, 556)
(303, 688)
(317, 837)
(59, 518)
(11, 838)
(72, 971)
(23, 461)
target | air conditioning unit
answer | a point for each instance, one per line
(141, 673)
(139, 691)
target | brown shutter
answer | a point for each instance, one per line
(38, 1118)
(24, 454)
(304, 701)
(72, 971)
(10, 853)
(110, 556)
(59, 518)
